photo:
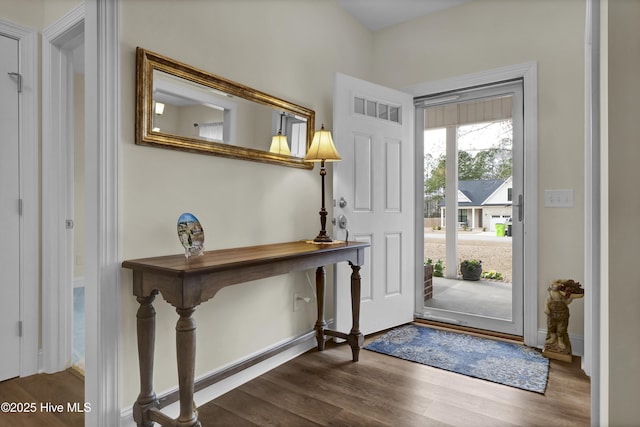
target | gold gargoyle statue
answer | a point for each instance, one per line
(560, 294)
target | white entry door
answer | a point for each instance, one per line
(373, 193)
(9, 211)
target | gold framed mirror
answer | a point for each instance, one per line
(184, 108)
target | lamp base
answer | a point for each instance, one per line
(323, 237)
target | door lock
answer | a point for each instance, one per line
(342, 202)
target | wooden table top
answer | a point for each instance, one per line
(233, 258)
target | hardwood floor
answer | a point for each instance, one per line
(63, 388)
(327, 389)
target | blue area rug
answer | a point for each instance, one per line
(497, 361)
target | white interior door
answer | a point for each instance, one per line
(9, 211)
(373, 188)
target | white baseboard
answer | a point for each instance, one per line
(577, 342)
(227, 384)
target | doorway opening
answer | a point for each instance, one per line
(77, 194)
(63, 201)
(472, 201)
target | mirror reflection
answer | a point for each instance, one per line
(184, 108)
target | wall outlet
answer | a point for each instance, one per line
(298, 300)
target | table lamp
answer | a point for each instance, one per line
(322, 150)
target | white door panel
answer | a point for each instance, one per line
(375, 179)
(9, 213)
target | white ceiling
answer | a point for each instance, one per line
(379, 14)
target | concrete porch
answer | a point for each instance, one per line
(482, 297)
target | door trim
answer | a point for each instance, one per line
(29, 193)
(528, 72)
(592, 362)
(102, 242)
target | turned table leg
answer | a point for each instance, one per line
(146, 330)
(186, 355)
(355, 339)
(321, 276)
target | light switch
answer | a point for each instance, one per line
(558, 198)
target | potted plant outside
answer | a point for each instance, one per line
(438, 269)
(471, 269)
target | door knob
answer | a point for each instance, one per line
(342, 221)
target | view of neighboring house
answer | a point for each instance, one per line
(482, 203)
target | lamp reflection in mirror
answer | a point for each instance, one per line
(322, 150)
(279, 143)
(159, 108)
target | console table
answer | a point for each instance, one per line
(185, 283)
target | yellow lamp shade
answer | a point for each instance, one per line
(279, 145)
(322, 148)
